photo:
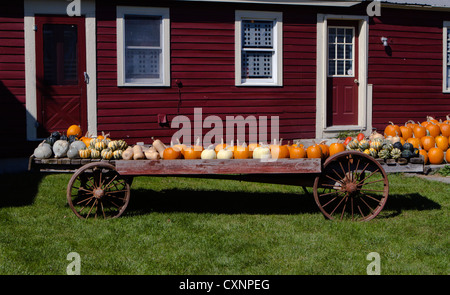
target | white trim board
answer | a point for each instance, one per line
(364, 95)
(31, 8)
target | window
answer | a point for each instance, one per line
(446, 67)
(143, 46)
(258, 48)
(341, 51)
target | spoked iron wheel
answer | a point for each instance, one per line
(96, 190)
(352, 186)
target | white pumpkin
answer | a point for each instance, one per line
(225, 154)
(43, 151)
(60, 148)
(209, 153)
(73, 153)
(261, 152)
(78, 144)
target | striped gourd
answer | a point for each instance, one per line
(95, 154)
(364, 145)
(113, 145)
(117, 154)
(100, 145)
(84, 153)
(353, 144)
(106, 154)
(122, 144)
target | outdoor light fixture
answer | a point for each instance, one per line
(384, 41)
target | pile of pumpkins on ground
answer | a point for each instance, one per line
(73, 145)
(403, 142)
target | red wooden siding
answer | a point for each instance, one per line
(13, 141)
(407, 84)
(202, 58)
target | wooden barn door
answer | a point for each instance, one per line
(60, 73)
(342, 81)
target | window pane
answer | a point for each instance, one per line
(142, 30)
(349, 67)
(348, 35)
(60, 54)
(257, 34)
(332, 35)
(340, 51)
(257, 64)
(340, 35)
(348, 51)
(340, 67)
(331, 51)
(331, 67)
(142, 64)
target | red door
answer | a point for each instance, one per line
(60, 73)
(342, 83)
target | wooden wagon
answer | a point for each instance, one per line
(348, 185)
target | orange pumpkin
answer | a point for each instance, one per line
(442, 142)
(411, 124)
(191, 154)
(407, 132)
(428, 142)
(336, 147)
(447, 156)
(74, 130)
(448, 120)
(279, 151)
(419, 131)
(242, 152)
(251, 147)
(435, 156)
(314, 151)
(433, 129)
(445, 129)
(171, 153)
(424, 154)
(415, 142)
(325, 149)
(392, 130)
(297, 152)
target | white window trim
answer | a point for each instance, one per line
(277, 72)
(445, 86)
(165, 42)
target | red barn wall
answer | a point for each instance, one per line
(407, 82)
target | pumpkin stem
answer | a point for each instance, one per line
(391, 123)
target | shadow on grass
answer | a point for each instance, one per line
(222, 202)
(19, 189)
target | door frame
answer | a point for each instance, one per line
(55, 7)
(364, 90)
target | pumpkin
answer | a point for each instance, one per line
(103, 136)
(424, 154)
(398, 145)
(74, 130)
(242, 152)
(84, 153)
(407, 132)
(326, 149)
(251, 148)
(225, 154)
(442, 142)
(407, 154)
(433, 129)
(297, 152)
(60, 148)
(410, 124)
(314, 151)
(392, 130)
(447, 156)
(428, 142)
(43, 151)
(220, 146)
(419, 131)
(415, 142)
(279, 151)
(435, 156)
(445, 129)
(408, 146)
(171, 153)
(179, 146)
(336, 147)
(106, 154)
(261, 152)
(208, 153)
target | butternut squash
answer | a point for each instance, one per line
(128, 153)
(137, 152)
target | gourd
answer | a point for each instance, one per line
(251, 148)
(138, 154)
(373, 152)
(398, 145)
(396, 153)
(364, 144)
(113, 145)
(78, 145)
(128, 153)
(160, 147)
(220, 146)
(72, 153)
(406, 154)
(314, 151)
(225, 154)
(106, 154)
(436, 156)
(353, 144)
(152, 154)
(122, 144)
(208, 153)
(242, 152)
(100, 145)
(375, 144)
(84, 153)
(43, 151)
(384, 154)
(415, 142)
(60, 148)
(179, 146)
(408, 146)
(50, 140)
(261, 152)
(95, 154)
(117, 154)
(375, 135)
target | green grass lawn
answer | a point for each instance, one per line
(200, 226)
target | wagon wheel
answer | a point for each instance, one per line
(352, 186)
(97, 190)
